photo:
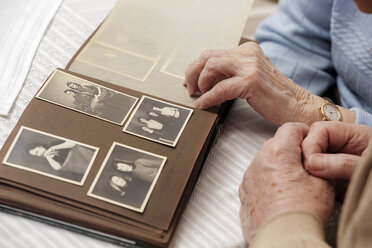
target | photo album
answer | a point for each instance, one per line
(111, 146)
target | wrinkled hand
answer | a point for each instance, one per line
(276, 182)
(245, 72)
(333, 149)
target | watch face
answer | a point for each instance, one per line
(331, 112)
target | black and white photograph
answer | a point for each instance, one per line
(50, 155)
(158, 121)
(86, 97)
(127, 177)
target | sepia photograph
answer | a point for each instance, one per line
(158, 121)
(127, 177)
(51, 155)
(86, 97)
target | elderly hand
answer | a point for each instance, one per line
(245, 72)
(276, 182)
(333, 149)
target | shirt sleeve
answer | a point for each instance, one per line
(296, 229)
(297, 40)
(362, 117)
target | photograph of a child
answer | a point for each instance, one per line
(51, 155)
(87, 97)
(158, 121)
(127, 177)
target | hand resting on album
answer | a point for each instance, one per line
(245, 72)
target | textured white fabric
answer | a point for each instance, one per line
(211, 218)
(22, 25)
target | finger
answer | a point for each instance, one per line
(194, 69)
(184, 83)
(336, 137)
(225, 90)
(292, 133)
(332, 166)
(215, 70)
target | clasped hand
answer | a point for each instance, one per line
(278, 180)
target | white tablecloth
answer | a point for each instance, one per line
(211, 218)
(22, 25)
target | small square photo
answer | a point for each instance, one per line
(158, 121)
(127, 177)
(50, 155)
(86, 97)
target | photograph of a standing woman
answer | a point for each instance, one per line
(51, 155)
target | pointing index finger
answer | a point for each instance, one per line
(195, 68)
(225, 90)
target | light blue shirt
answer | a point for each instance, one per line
(319, 43)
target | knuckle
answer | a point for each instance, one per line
(190, 71)
(317, 125)
(293, 127)
(257, 48)
(289, 126)
(277, 149)
(251, 49)
(254, 48)
(212, 64)
(347, 164)
(206, 54)
(253, 44)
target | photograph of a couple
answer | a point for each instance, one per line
(51, 155)
(84, 96)
(127, 177)
(157, 120)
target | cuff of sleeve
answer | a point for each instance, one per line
(362, 117)
(289, 230)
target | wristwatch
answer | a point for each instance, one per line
(330, 112)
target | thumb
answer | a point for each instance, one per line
(332, 166)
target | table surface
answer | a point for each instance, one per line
(211, 218)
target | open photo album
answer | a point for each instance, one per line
(111, 146)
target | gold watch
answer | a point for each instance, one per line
(330, 112)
